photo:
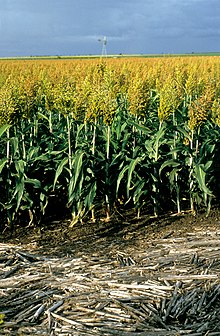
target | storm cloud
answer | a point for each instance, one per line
(70, 27)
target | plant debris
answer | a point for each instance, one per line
(172, 287)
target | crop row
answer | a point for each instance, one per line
(77, 137)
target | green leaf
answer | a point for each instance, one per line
(120, 177)
(2, 163)
(19, 165)
(169, 163)
(184, 132)
(158, 142)
(4, 128)
(19, 191)
(77, 179)
(36, 183)
(43, 157)
(208, 164)
(139, 127)
(59, 170)
(14, 143)
(139, 191)
(33, 152)
(131, 169)
(42, 116)
(77, 167)
(200, 175)
(90, 196)
(55, 153)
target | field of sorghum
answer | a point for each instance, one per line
(77, 136)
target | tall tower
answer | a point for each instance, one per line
(104, 43)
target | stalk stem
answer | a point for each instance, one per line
(93, 154)
(191, 172)
(176, 175)
(50, 122)
(8, 145)
(69, 143)
(107, 173)
(23, 147)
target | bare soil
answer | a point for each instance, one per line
(124, 231)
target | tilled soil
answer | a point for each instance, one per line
(146, 276)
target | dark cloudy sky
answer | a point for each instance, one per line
(72, 27)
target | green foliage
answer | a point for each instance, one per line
(65, 156)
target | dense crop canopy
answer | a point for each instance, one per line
(80, 135)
